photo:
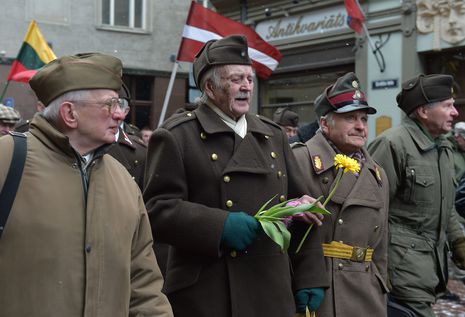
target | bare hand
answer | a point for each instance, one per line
(309, 217)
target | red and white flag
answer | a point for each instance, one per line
(355, 16)
(203, 25)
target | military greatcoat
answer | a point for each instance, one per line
(421, 213)
(198, 171)
(358, 218)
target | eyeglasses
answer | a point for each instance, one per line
(112, 104)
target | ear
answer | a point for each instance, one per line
(69, 115)
(324, 125)
(209, 89)
(421, 112)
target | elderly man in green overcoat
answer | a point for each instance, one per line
(417, 159)
(208, 172)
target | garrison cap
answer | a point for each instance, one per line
(286, 117)
(8, 114)
(76, 72)
(230, 50)
(344, 96)
(424, 89)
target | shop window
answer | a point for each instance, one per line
(124, 13)
(297, 91)
(141, 88)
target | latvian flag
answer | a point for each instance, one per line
(34, 54)
(203, 25)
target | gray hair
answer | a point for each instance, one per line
(329, 118)
(51, 112)
(214, 76)
(414, 115)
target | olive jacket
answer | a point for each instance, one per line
(421, 214)
(75, 249)
(199, 170)
(359, 215)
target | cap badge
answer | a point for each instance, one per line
(355, 84)
(357, 95)
(378, 175)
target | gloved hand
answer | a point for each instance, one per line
(239, 230)
(458, 252)
(308, 297)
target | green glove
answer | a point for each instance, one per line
(458, 252)
(239, 230)
(309, 297)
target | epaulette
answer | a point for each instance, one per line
(177, 119)
(268, 120)
(296, 145)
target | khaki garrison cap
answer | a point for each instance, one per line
(230, 50)
(76, 72)
(424, 89)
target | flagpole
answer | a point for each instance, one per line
(4, 91)
(168, 93)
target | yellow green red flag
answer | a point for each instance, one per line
(34, 53)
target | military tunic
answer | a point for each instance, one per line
(199, 170)
(421, 217)
(358, 218)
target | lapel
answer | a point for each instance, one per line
(248, 155)
(363, 190)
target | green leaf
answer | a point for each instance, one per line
(264, 206)
(273, 232)
(286, 235)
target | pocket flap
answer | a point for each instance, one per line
(424, 180)
(414, 243)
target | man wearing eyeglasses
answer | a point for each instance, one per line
(77, 241)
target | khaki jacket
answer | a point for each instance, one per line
(421, 213)
(199, 170)
(359, 213)
(68, 253)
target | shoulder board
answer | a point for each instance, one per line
(268, 120)
(296, 145)
(177, 119)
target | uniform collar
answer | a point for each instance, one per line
(123, 138)
(419, 136)
(212, 123)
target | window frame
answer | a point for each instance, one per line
(132, 17)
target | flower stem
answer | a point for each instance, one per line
(338, 179)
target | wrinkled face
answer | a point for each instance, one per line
(348, 131)
(96, 124)
(438, 119)
(452, 20)
(146, 135)
(5, 128)
(233, 94)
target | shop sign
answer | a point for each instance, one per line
(384, 84)
(317, 22)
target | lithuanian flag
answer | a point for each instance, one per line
(34, 54)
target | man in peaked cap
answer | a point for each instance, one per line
(288, 119)
(9, 117)
(77, 241)
(422, 221)
(355, 236)
(208, 172)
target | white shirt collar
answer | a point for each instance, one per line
(239, 126)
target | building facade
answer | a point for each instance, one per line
(144, 34)
(407, 37)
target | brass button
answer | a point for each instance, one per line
(273, 155)
(229, 203)
(280, 174)
(340, 221)
(233, 253)
(282, 198)
(75, 165)
(376, 228)
(340, 266)
(134, 177)
(189, 114)
(203, 136)
(340, 241)
(413, 245)
(136, 162)
(325, 180)
(367, 268)
(214, 157)
(267, 137)
(226, 179)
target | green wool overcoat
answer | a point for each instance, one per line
(422, 217)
